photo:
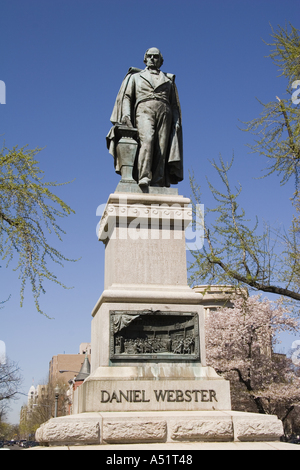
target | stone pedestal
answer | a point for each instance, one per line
(155, 427)
(148, 341)
(149, 380)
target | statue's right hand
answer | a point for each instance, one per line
(126, 120)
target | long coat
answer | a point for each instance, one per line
(174, 160)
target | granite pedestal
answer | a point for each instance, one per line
(148, 341)
(149, 379)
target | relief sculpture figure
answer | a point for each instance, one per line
(143, 333)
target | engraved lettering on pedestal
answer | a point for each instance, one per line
(187, 395)
(142, 335)
(169, 396)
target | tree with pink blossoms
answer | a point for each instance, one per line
(240, 346)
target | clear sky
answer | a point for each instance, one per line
(63, 62)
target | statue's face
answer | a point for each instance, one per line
(153, 59)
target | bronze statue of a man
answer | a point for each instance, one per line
(148, 100)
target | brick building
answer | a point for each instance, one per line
(69, 363)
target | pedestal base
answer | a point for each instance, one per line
(163, 387)
(157, 427)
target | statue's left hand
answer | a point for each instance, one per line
(126, 120)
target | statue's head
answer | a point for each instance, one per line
(153, 57)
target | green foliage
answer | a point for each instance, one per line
(239, 255)
(285, 52)
(28, 216)
(278, 127)
(278, 138)
(8, 431)
(264, 259)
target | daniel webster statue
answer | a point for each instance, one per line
(148, 100)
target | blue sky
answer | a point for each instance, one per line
(63, 62)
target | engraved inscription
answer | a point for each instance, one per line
(140, 396)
